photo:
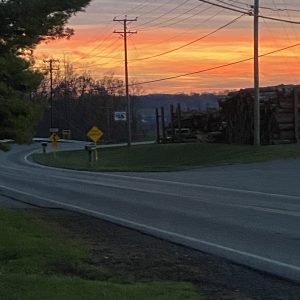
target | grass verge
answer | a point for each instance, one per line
(169, 157)
(4, 147)
(39, 263)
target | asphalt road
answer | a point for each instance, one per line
(249, 213)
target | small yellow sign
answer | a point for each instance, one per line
(54, 138)
(95, 134)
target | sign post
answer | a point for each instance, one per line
(95, 134)
(54, 138)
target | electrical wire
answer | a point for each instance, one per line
(239, 2)
(94, 48)
(186, 31)
(232, 5)
(289, 17)
(176, 17)
(140, 6)
(157, 8)
(276, 42)
(262, 7)
(226, 7)
(178, 48)
(250, 13)
(192, 42)
(279, 9)
(172, 50)
(217, 67)
(164, 14)
(279, 20)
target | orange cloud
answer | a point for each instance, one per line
(102, 52)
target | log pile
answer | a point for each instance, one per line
(279, 108)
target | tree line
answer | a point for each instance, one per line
(80, 102)
(24, 24)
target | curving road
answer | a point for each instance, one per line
(249, 213)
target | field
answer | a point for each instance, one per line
(170, 157)
(41, 263)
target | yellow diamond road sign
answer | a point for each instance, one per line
(95, 134)
(54, 138)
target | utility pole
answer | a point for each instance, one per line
(256, 75)
(51, 68)
(125, 34)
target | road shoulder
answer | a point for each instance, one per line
(137, 256)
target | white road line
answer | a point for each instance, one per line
(218, 188)
(151, 191)
(154, 230)
(165, 193)
(270, 210)
(203, 186)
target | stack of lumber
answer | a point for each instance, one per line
(279, 110)
(197, 120)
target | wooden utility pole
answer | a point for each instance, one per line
(51, 68)
(125, 34)
(163, 126)
(157, 126)
(172, 122)
(179, 122)
(256, 76)
(296, 114)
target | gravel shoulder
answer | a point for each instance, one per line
(132, 255)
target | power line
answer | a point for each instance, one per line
(233, 5)
(94, 48)
(164, 14)
(217, 67)
(157, 8)
(283, 25)
(186, 31)
(102, 55)
(178, 48)
(181, 47)
(96, 39)
(98, 64)
(178, 16)
(250, 13)
(239, 2)
(279, 20)
(140, 6)
(280, 9)
(276, 42)
(261, 7)
(289, 17)
(192, 42)
(226, 7)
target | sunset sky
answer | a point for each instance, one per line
(164, 25)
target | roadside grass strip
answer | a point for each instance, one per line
(35, 287)
(38, 262)
(170, 157)
(4, 147)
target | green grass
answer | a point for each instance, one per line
(41, 263)
(168, 157)
(35, 287)
(4, 147)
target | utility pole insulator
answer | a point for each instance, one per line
(125, 34)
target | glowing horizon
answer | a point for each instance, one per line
(96, 49)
